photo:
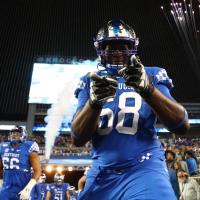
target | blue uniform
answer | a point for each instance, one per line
(44, 188)
(16, 168)
(128, 160)
(36, 192)
(58, 192)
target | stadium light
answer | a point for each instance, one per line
(70, 169)
(49, 168)
(59, 169)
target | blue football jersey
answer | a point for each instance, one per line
(36, 192)
(16, 164)
(127, 123)
(44, 188)
(58, 192)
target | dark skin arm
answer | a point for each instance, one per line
(81, 183)
(35, 164)
(169, 112)
(85, 124)
(67, 195)
(48, 195)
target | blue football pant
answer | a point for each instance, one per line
(148, 180)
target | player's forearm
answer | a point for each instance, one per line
(48, 196)
(36, 174)
(35, 164)
(67, 195)
(170, 113)
(85, 124)
(81, 183)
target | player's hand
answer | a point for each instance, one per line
(136, 77)
(101, 89)
(25, 193)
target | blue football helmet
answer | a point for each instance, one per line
(59, 178)
(115, 32)
(21, 137)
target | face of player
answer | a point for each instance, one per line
(116, 53)
(15, 135)
(42, 179)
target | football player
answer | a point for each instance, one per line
(44, 187)
(117, 110)
(58, 190)
(17, 158)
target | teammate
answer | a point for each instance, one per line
(44, 187)
(117, 110)
(17, 157)
(58, 190)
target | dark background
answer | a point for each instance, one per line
(32, 28)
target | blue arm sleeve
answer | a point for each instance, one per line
(82, 92)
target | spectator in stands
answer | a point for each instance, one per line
(191, 163)
(170, 160)
(189, 188)
(182, 163)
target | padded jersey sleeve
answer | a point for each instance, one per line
(82, 91)
(161, 78)
(34, 147)
(162, 81)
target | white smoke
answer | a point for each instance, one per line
(64, 107)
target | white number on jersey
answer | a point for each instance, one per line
(58, 196)
(10, 163)
(107, 112)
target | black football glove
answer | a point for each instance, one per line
(136, 77)
(101, 89)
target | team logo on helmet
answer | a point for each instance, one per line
(116, 31)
